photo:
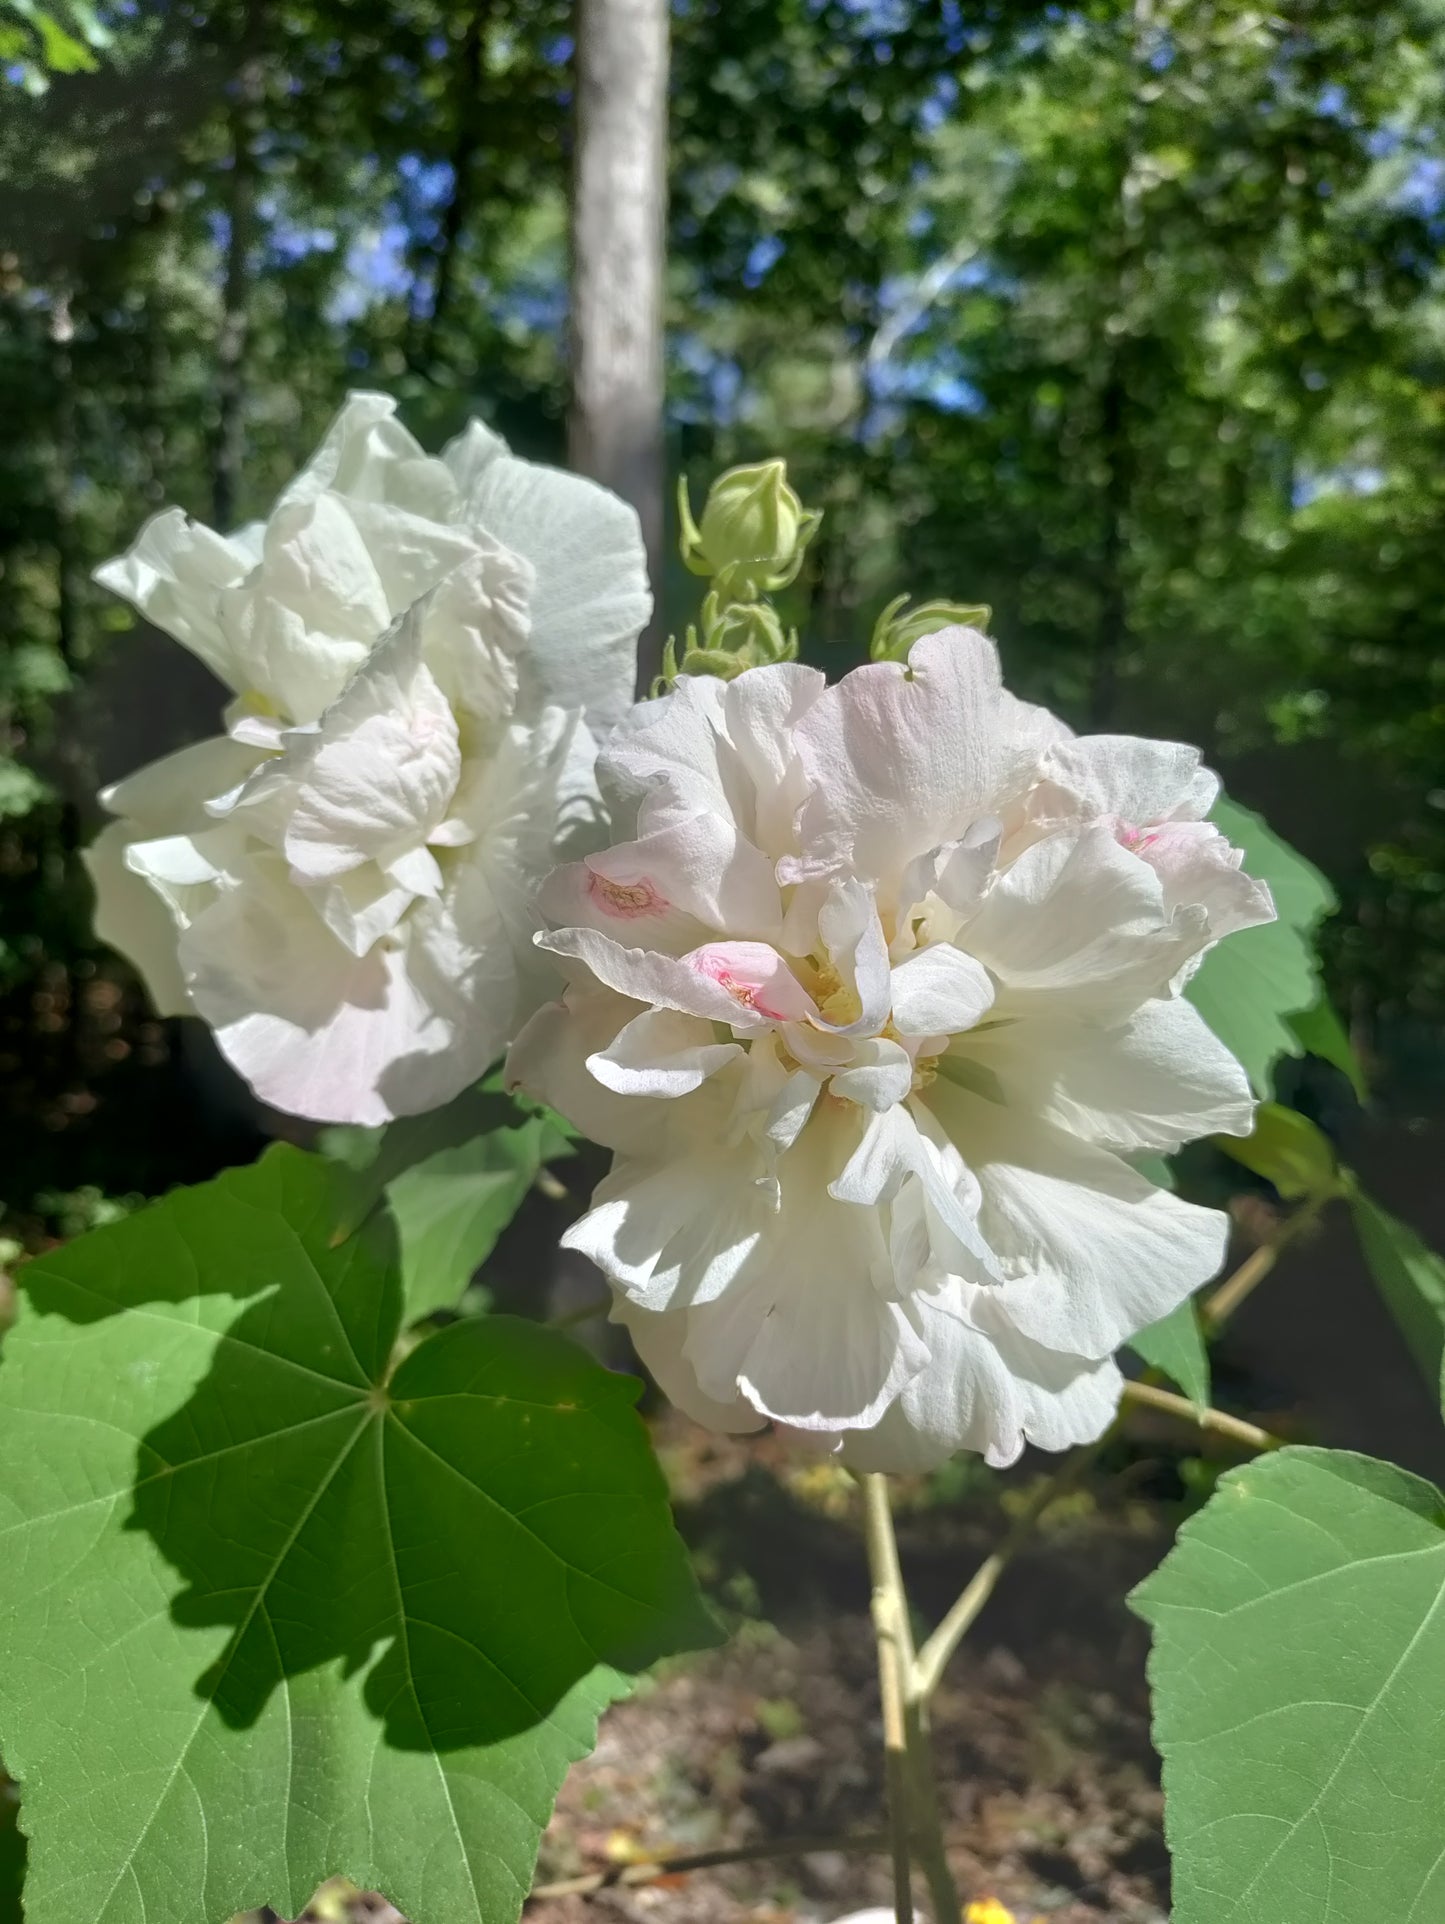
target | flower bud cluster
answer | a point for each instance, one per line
(750, 542)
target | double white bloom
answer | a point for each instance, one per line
(872, 1007)
(344, 884)
(873, 1000)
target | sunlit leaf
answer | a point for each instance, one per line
(1298, 1680)
(450, 1209)
(1411, 1278)
(1288, 1150)
(1175, 1345)
(1250, 984)
(452, 1180)
(273, 1608)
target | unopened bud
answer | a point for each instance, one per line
(753, 533)
(898, 627)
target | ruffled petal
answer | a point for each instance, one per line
(379, 775)
(672, 888)
(675, 1233)
(940, 991)
(904, 758)
(1126, 777)
(658, 1339)
(132, 918)
(661, 1053)
(879, 1074)
(1158, 1079)
(1093, 1251)
(368, 455)
(170, 796)
(663, 981)
(984, 1388)
(549, 1060)
(894, 1151)
(172, 574)
(590, 599)
(1078, 917)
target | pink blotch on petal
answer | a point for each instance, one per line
(1167, 846)
(756, 976)
(626, 900)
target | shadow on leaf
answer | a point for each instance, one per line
(486, 1513)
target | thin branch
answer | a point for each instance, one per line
(950, 1633)
(913, 307)
(933, 1658)
(672, 1864)
(1204, 1418)
(1257, 1265)
(895, 1659)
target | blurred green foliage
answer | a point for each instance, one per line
(1122, 318)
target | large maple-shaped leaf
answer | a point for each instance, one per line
(1298, 1679)
(272, 1608)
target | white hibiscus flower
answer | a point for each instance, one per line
(343, 884)
(870, 1070)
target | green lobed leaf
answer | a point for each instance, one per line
(1298, 1678)
(1248, 986)
(379, 1156)
(270, 1611)
(1320, 1032)
(450, 1210)
(1288, 1150)
(452, 1180)
(1175, 1345)
(1411, 1278)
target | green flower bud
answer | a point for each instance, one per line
(728, 640)
(895, 631)
(749, 630)
(753, 534)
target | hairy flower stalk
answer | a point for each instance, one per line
(344, 883)
(872, 1003)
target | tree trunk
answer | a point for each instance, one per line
(470, 107)
(230, 440)
(615, 433)
(1116, 436)
(62, 333)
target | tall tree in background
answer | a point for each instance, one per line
(245, 124)
(615, 432)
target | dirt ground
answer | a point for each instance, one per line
(1050, 1793)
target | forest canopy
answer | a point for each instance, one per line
(1123, 320)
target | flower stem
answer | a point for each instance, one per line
(927, 1818)
(890, 1629)
(914, 1815)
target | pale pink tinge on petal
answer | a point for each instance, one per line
(756, 976)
